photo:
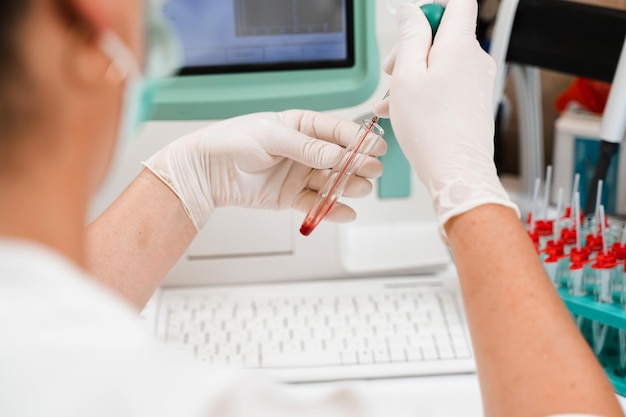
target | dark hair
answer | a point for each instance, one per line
(12, 15)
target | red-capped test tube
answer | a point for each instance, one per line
(622, 280)
(576, 281)
(552, 261)
(619, 249)
(605, 267)
(594, 242)
(544, 230)
(568, 237)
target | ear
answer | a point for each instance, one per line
(94, 13)
(85, 21)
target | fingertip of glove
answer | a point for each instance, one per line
(413, 27)
(342, 214)
(408, 13)
(382, 109)
(329, 156)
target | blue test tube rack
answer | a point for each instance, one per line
(586, 311)
(602, 324)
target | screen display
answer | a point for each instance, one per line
(251, 35)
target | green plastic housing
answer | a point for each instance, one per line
(218, 96)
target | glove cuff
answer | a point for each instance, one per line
(186, 179)
(457, 197)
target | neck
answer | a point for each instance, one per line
(41, 206)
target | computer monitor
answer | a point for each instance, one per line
(242, 56)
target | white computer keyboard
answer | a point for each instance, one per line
(322, 331)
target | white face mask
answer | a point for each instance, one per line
(163, 57)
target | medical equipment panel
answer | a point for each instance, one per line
(244, 56)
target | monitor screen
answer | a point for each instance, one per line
(250, 35)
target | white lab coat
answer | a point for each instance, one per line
(70, 348)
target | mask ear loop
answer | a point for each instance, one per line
(121, 57)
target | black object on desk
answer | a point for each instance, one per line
(575, 38)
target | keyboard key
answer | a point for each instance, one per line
(414, 354)
(334, 345)
(430, 352)
(462, 351)
(365, 357)
(349, 358)
(381, 356)
(445, 351)
(397, 354)
(252, 361)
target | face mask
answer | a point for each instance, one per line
(162, 58)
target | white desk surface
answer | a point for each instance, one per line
(424, 396)
(433, 396)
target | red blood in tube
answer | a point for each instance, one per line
(306, 230)
(310, 224)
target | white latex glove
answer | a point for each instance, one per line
(440, 105)
(266, 160)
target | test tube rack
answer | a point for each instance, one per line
(586, 311)
(600, 309)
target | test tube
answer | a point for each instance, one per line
(577, 219)
(603, 229)
(533, 211)
(622, 278)
(552, 262)
(559, 208)
(355, 154)
(546, 191)
(594, 226)
(599, 198)
(568, 237)
(599, 332)
(576, 282)
(568, 233)
(544, 227)
(619, 248)
(578, 257)
(575, 188)
(605, 267)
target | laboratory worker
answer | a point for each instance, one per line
(71, 75)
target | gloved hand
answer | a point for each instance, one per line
(440, 105)
(265, 160)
